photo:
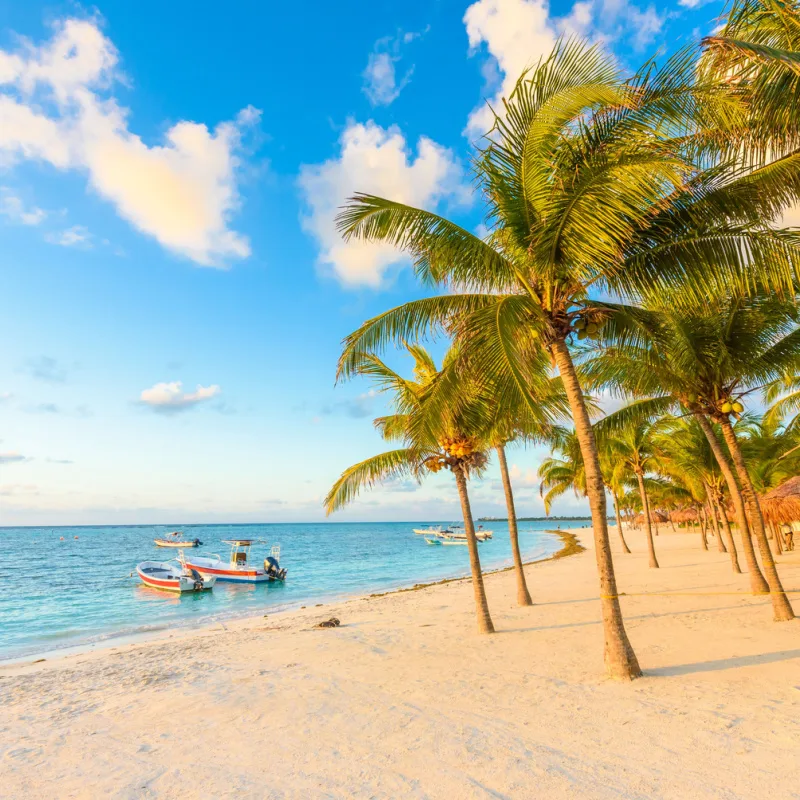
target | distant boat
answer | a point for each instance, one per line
(173, 577)
(238, 568)
(432, 540)
(433, 530)
(175, 539)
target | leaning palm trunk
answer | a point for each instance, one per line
(757, 583)
(651, 550)
(726, 527)
(625, 548)
(621, 662)
(708, 510)
(481, 604)
(780, 603)
(523, 595)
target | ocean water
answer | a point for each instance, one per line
(57, 593)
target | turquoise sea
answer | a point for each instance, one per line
(57, 593)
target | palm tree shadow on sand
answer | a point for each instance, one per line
(724, 663)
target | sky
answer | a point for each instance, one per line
(173, 292)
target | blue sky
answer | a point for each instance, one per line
(172, 291)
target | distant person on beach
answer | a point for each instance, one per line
(788, 536)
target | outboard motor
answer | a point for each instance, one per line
(273, 569)
(197, 543)
(199, 583)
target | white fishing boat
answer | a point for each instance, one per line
(238, 567)
(176, 539)
(433, 530)
(458, 532)
(432, 540)
(173, 576)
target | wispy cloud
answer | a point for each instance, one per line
(381, 84)
(12, 458)
(76, 236)
(14, 209)
(42, 408)
(57, 107)
(45, 368)
(356, 407)
(16, 489)
(170, 398)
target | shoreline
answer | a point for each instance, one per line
(406, 699)
(571, 546)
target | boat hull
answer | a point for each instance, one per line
(224, 572)
(168, 543)
(168, 579)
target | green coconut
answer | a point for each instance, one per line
(581, 335)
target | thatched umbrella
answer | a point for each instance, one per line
(782, 504)
(684, 515)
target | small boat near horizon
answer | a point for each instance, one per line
(238, 567)
(172, 576)
(175, 539)
(433, 530)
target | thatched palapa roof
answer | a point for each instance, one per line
(684, 515)
(782, 504)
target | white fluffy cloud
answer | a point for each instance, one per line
(167, 397)
(14, 210)
(55, 107)
(374, 160)
(517, 33)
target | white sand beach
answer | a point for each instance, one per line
(406, 700)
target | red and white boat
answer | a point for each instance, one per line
(238, 567)
(173, 577)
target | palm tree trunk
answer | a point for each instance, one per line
(481, 603)
(726, 526)
(780, 603)
(621, 662)
(708, 510)
(523, 595)
(757, 583)
(703, 540)
(646, 511)
(776, 536)
(702, 520)
(625, 548)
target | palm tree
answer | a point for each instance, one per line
(590, 187)
(523, 595)
(423, 453)
(631, 443)
(685, 455)
(758, 51)
(706, 361)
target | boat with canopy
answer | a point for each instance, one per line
(238, 567)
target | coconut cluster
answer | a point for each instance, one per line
(726, 405)
(586, 329)
(456, 451)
